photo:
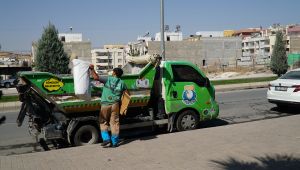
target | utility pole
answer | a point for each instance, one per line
(162, 30)
(161, 103)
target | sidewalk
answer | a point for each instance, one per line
(10, 106)
(15, 106)
(266, 144)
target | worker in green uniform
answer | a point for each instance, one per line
(112, 91)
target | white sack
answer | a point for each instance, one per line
(81, 79)
(144, 59)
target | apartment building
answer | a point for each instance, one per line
(139, 47)
(258, 43)
(75, 46)
(255, 48)
(108, 57)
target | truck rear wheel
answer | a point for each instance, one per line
(187, 120)
(85, 135)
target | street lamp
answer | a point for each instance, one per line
(162, 31)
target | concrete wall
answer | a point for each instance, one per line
(222, 51)
(294, 44)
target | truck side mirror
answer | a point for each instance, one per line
(207, 82)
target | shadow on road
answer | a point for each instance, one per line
(273, 162)
(287, 110)
(17, 146)
(2, 119)
(213, 123)
(128, 136)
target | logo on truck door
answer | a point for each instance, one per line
(189, 95)
(53, 84)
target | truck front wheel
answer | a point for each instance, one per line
(85, 135)
(187, 120)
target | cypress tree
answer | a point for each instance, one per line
(279, 64)
(50, 55)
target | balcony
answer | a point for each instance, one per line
(103, 64)
(246, 54)
(103, 57)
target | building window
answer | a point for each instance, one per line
(203, 62)
(168, 38)
(63, 38)
(119, 60)
(119, 53)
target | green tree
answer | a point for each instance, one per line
(50, 55)
(279, 64)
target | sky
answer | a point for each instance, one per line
(121, 21)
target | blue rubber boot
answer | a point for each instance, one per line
(105, 137)
(115, 140)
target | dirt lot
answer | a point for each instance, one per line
(236, 73)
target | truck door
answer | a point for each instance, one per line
(186, 88)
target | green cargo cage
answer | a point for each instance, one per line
(59, 89)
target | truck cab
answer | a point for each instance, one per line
(188, 94)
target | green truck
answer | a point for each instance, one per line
(172, 93)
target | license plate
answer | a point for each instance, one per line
(280, 88)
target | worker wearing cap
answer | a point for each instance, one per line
(112, 91)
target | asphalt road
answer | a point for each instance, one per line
(248, 105)
(235, 107)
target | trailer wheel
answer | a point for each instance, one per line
(187, 120)
(85, 135)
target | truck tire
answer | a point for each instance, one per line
(187, 120)
(7, 85)
(85, 135)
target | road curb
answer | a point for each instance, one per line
(243, 86)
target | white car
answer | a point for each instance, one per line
(285, 90)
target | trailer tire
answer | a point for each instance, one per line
(85, 135)
(187, 120)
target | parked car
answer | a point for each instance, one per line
(9, 82)
(285, 90)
